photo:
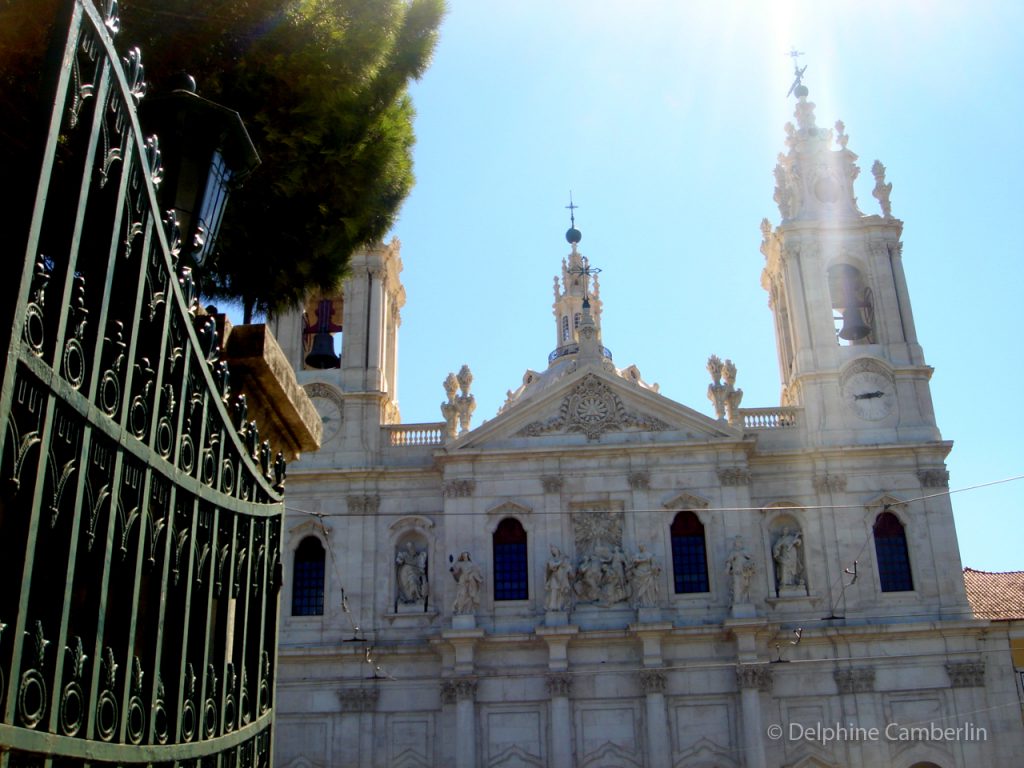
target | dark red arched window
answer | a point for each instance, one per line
(510, 567)
(689, 554)
(891, 553)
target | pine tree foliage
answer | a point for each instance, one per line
(322, 88)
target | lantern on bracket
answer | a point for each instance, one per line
(206, 153)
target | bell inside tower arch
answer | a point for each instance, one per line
(322, 333)
(852, 305)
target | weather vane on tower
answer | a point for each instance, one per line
(574, 236)
(798, 72)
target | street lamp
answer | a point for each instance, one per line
(206, 151)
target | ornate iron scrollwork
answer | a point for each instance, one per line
(139, 498)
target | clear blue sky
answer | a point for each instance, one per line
(665, 120)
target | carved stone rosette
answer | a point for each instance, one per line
(860, 680)
(454, 489)
(558, 684)
(933, 478)
(829, 483)
(966, 674)
(358, 699)
(652, 680)
(756, 676)
(640, 480)
(733, 476)
(551, 483)
(363, 504)
(457, 689)
(593, 409)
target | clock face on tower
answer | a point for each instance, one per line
(869, 394)
(330, 415)
(328, 404)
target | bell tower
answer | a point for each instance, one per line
(848, 349)
(344, 348)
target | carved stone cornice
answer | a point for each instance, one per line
(640, 480)
(454, 489)
(358, 699)
(829, 483)
(933, 478)
(966, 674)
(757, 676)
(363, 504)
(652, 680)
(551, 483)
(558, 683)
(734, 476)
(458, 689)
(859, 680)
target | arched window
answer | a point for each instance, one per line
(308, 583)
(891, 553)
(510, 579)
(565, 329)
(689, 554)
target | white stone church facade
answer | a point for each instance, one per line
(600, 576)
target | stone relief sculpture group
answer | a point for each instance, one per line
(604, 574)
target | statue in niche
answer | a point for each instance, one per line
(558, 581)
(788, 559)
(614, 587)
(469, 579)
(740, 567)
(412, 574)
(643, 579)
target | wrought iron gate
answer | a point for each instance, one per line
(140, 514)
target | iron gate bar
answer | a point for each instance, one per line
(148, 635)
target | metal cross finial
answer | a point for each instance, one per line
(572, 210)
(585, 271)
(798, 71)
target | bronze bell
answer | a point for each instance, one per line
(321, 354)
(854, 327)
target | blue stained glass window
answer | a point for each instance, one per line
(510, 566)
(891, 553)
(689, 554)
(308, 584)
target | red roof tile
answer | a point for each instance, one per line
(996, 596)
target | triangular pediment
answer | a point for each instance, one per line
(593, 406)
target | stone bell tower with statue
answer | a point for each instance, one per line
(847, 346)
(344, 348)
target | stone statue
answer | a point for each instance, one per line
(788, 562)
(740, 567)
(466, 403)
(733, 396)
(882, 190)
(724, 396)
(412, 574)
(588, 579)
(469, 580)
(614, 587)
(449, 409)
(644, 584)
(558, 582)
(716, 389)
